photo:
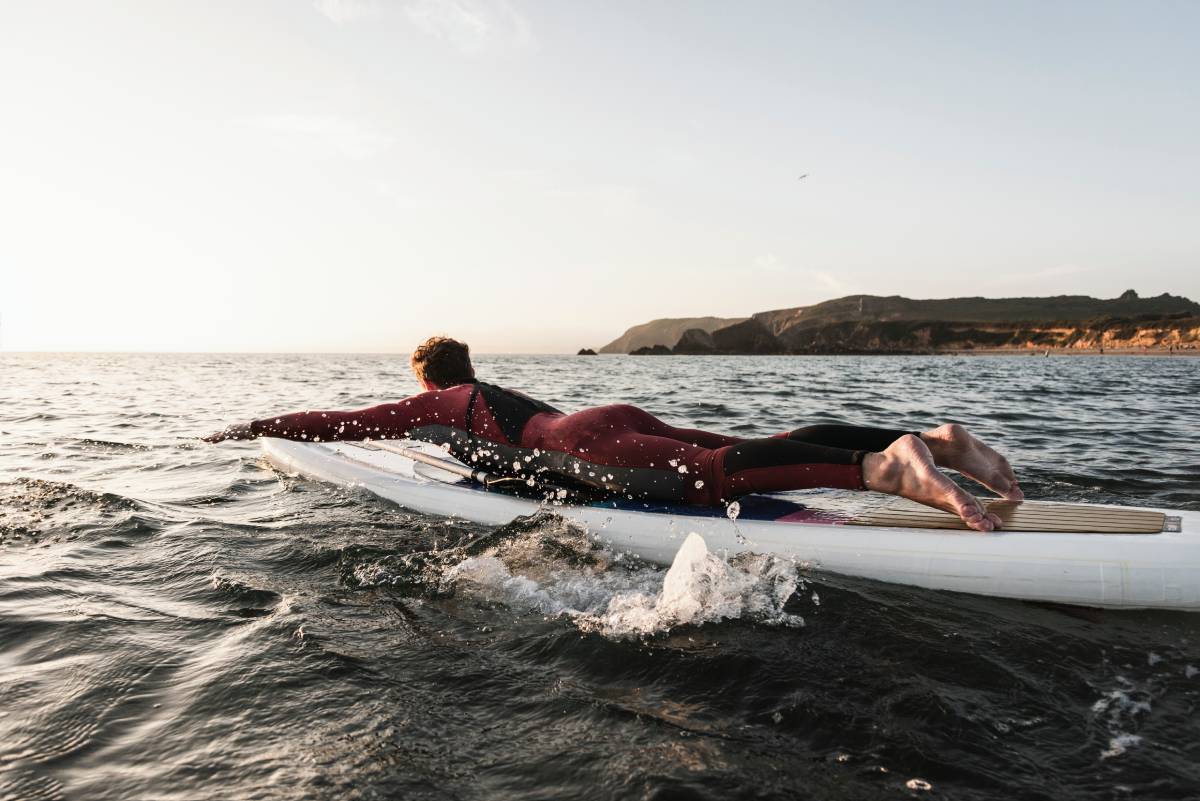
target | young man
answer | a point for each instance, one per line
(624, 449)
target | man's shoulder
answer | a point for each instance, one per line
(433, 395)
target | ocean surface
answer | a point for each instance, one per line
(180, 621)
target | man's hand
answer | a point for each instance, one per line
(235, 431)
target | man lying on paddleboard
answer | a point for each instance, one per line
(624, 449)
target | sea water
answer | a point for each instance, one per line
(181, 621)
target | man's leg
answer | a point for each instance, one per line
(778, 465)
(649, 467)
(905, 468)
(951, 446)
(891, 461)
(694, 436)
(664, 468)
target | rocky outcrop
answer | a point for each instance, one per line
(586, 352)
(664, 332)
(695, 341)
(750, 336)
(652, 350)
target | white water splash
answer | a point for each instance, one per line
(1119, 745)
(699, 588)
(1120, 710)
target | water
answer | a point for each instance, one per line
(178, 621)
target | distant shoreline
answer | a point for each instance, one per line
(862, 324)
(1071, 352)
(1034, 352)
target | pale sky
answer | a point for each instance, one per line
(354, 175)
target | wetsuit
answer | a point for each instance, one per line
(618, 448)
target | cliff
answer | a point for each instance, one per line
(894, 324)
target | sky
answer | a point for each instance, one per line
(356, 175)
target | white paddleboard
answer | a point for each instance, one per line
(1105, 565)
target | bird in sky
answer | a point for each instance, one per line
(802, 177)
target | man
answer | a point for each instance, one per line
(623, 449)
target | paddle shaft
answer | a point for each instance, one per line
(555, 492)
(481, 476)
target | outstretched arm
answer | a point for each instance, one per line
(234, 431)
(387, 421)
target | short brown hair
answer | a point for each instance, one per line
(443, 362)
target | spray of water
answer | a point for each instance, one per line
(606, 597)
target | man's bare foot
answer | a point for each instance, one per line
(954, 447)
(907, 469)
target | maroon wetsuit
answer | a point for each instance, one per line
(619, 448)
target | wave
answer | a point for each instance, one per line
(546, 565)
(29, 418)
(108, 445)
(31, 508)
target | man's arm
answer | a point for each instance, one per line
(234, 431)
(386, 421)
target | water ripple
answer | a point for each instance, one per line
(181, 621)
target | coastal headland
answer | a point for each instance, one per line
(869, 324)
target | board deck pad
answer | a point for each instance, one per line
(1021, 516)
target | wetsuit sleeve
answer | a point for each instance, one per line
(386, 421)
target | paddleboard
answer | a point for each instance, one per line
(1090, 555)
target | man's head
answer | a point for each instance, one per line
(441, 362)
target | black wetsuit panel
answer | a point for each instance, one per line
(854, 438)
(510, 409)
(755, 454)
